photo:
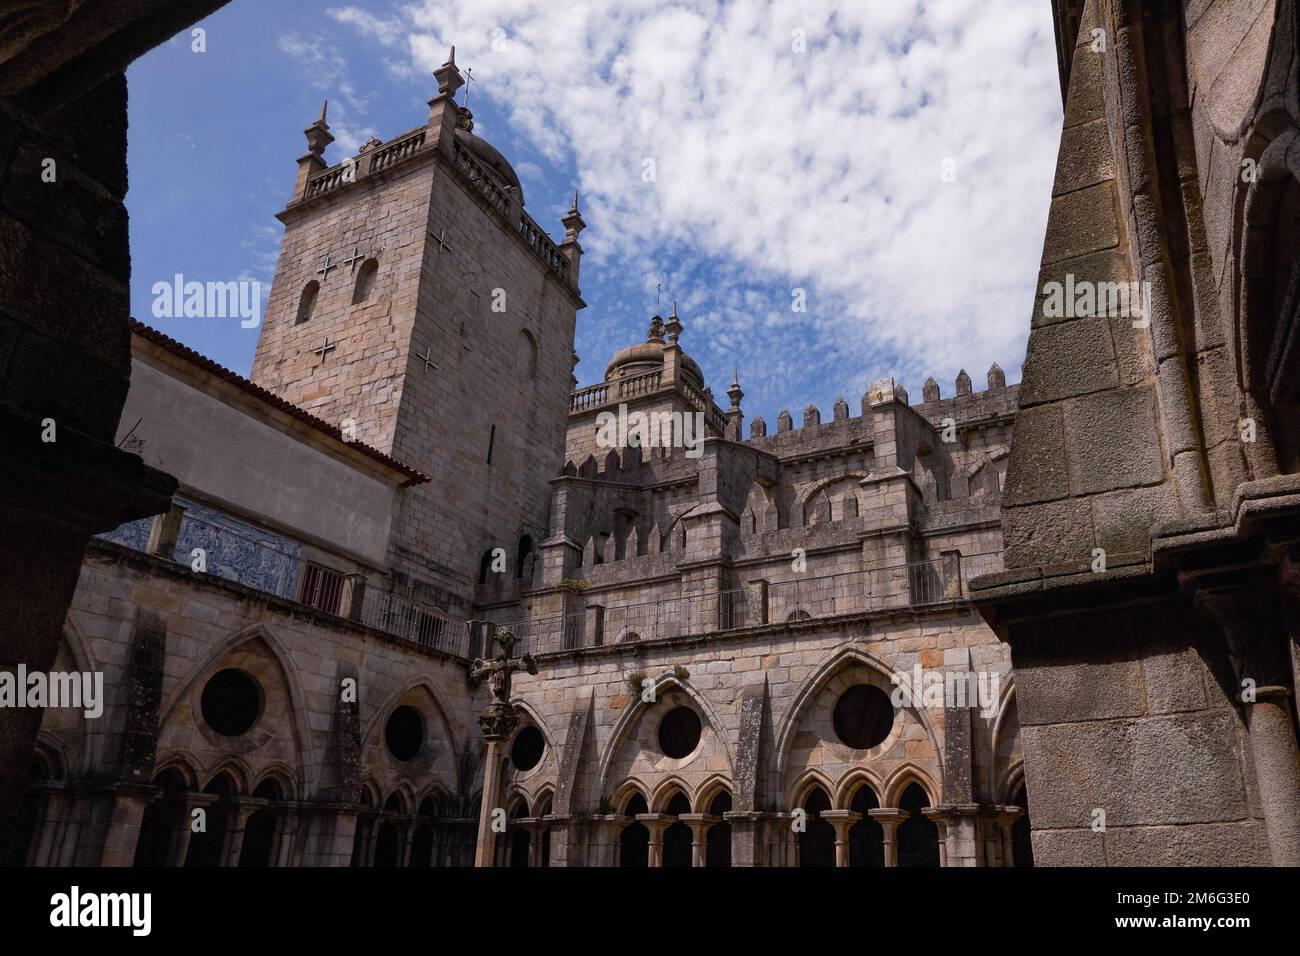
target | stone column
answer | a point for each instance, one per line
(286, 828)
(1252, 619)
(70, 832)
(485, 847)
(939, 817)
(842, 821)
(890, 821)
(534, 826)
(129, 803)
(1006, 818)
(609, 828)
(656, 823)
(1277, 769)
(44, 850)
(180, 847)
(239, 810)
(699, 824)
(746, 826)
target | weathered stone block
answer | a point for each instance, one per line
(1112, 440)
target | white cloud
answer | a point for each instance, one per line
(328, 71)
(821, 169)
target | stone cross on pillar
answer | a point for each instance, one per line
(497, 722)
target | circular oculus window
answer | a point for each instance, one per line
(863, 717)
(679, 732)
(231, 702)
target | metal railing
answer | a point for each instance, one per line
(402, 617)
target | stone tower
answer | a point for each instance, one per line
(419, 308)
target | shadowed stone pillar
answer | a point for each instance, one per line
(746, 825)
(129, 803)
(1249, 618)
(939, 817)
(1006, 819)
(180, 848)
(656, 823)
(241, 808)
(842, 821)
(890, 821)
(699, 824)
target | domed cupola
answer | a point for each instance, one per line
(487, 155)
(648, 356)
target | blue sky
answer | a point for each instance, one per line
(889, 164)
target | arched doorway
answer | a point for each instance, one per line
(717, 851)
(1022, 847)
(867, 836)
(677, 837)
(634, 841)
(918, 837)
(817, 841)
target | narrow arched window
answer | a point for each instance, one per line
(307, 302)
(365, 281)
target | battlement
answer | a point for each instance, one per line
(995, 405)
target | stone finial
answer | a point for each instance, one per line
(841, 412)
(674, 326)
(656, 333)
(900, 395)
(633, 544)
(573, 221)
(318, 134)
(879, 392)
(784, 422)
(589, 552)
(609, 549)
(963, 383)
(734, 391)
(654, 544)
(811, 416)
(758, 428)
(997, 377)
(930, 390)
(448, 76)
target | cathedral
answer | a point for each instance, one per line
(416, 597)
(716, 615)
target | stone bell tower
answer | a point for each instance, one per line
(417, 306)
